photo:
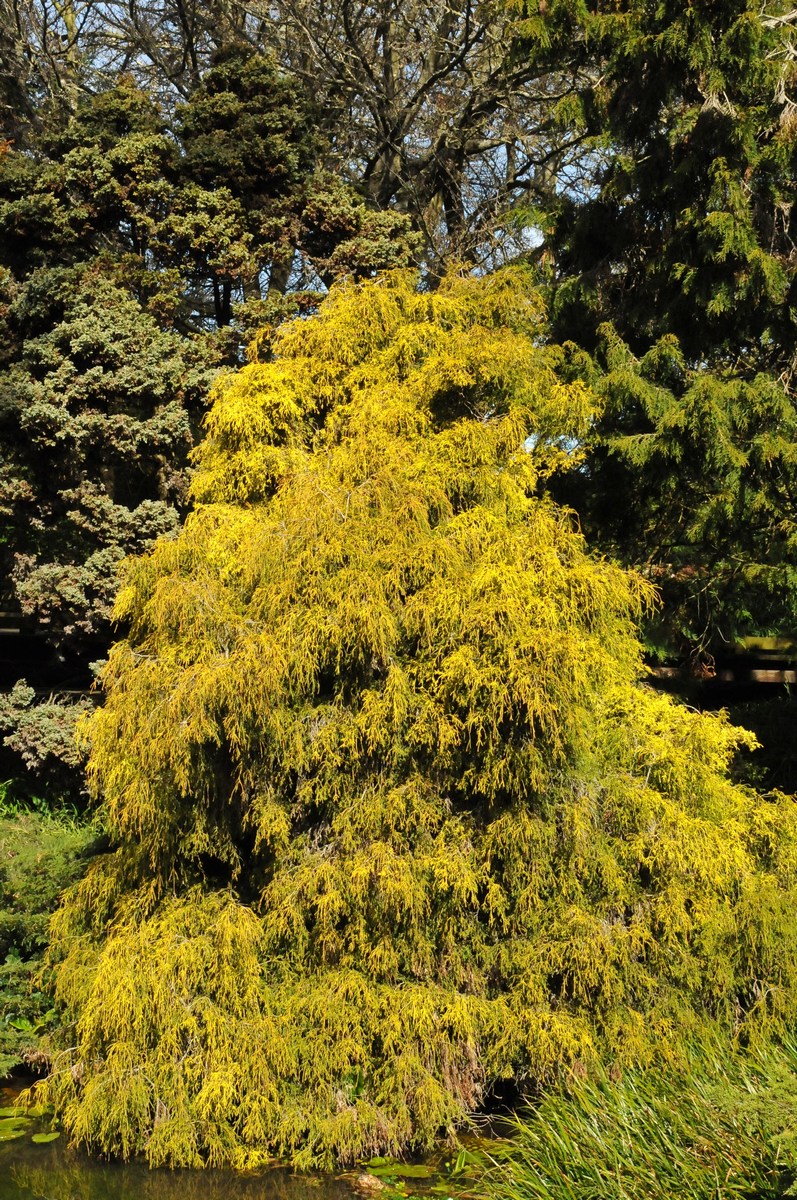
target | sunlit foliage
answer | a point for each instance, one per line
(395, 819)
(725, 1127)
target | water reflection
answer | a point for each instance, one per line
(52, 1172)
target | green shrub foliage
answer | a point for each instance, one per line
(394, 818)
(41, 854)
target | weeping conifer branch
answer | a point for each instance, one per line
(393, 818)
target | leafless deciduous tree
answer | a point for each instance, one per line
(44, 48)
(441, 109)
(445, 111)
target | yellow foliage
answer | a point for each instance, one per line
(394, 818)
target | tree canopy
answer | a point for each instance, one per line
(687, 229)
(690, 476)
(642, 157)
(393, 818)
(138, 250)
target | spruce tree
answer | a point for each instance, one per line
(392, 817)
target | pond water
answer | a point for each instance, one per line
(51, 1171)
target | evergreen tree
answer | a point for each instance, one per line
(133, 259)
(677, 274)
(249, 135)
(100, 396)
(689, 231)
(95, 429)
(393, 818)
(691, 476)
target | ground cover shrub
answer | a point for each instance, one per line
(41, 854)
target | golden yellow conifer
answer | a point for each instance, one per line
(393, 817)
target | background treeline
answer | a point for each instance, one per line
(177, 176)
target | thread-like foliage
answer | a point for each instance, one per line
(394, 818)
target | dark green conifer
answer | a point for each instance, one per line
(676, 273)
(126, 247)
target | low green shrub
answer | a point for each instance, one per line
(41, 854)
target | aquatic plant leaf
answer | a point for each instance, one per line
(11, 1128)
(402, 1170)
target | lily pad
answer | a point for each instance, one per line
(41, 1138)
(12, 1127)
(13, 1111)
(39, 1110)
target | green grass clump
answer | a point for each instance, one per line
(725, 1128)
